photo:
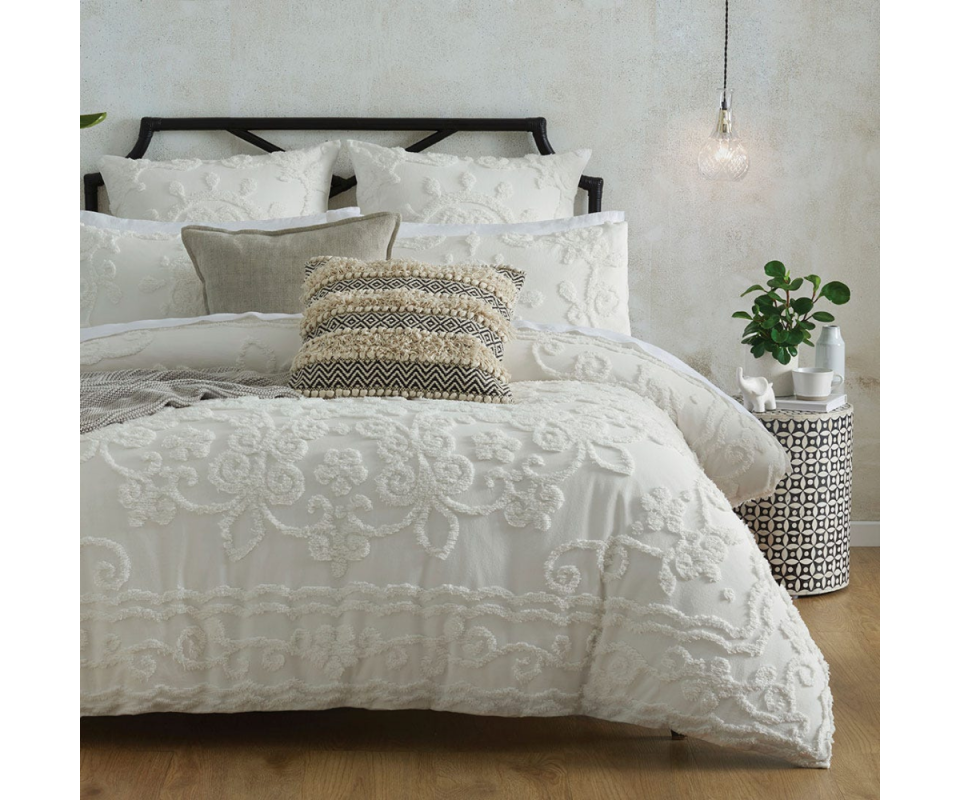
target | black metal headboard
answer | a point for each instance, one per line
(241, 127)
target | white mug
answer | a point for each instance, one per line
(812, 383)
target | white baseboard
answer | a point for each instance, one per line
(865, 534)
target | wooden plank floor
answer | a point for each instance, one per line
(347, 753)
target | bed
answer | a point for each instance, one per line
(572, 552)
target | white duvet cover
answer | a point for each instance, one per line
(572, 553)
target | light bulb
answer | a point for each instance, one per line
(723, 156)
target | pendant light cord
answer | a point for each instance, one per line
(726, 36)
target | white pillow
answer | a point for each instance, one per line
(283, 184)
(135, 269)
(260, 342)
(576, 269)
(437, 188)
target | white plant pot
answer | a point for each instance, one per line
(780, 375)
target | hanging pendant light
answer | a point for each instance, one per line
(723, 156)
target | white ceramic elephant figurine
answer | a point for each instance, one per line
(757, 393)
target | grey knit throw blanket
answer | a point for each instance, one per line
(109, 397)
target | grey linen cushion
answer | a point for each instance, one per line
(263, 271)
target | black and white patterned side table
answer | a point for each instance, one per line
(804, 528)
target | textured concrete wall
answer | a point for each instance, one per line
(634, 80)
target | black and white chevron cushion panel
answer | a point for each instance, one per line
(489, 283)
(406, 329)
(397, 378)
(404, 319)
(426, 285)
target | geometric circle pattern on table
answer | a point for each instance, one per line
(804, 528)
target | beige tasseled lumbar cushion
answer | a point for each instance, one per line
(406, 329)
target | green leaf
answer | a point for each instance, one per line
(755, 288)
(89, 120)
(802, 305)
(795, 336)
(808, 325)
(836, 292)
(778, 283)
(807, 341)
(769, 322)
(782, 355)
(770, 345)
(792, 351)
(775, 269)
(778, 335)
(823, 316)
(795, 284)
(815, 280)
(753, 327)
(758, 349)
(741, 315)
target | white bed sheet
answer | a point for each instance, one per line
(575, 552)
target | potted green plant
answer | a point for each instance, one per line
(779, 321)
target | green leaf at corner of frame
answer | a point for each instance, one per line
(89, 120)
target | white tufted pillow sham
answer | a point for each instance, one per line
(135, 269)
(243, 187)
(576, 269)
(439, 188)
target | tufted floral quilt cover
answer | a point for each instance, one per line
(572, 553)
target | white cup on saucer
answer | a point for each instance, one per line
(813, 383)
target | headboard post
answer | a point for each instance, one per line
(243, 127)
